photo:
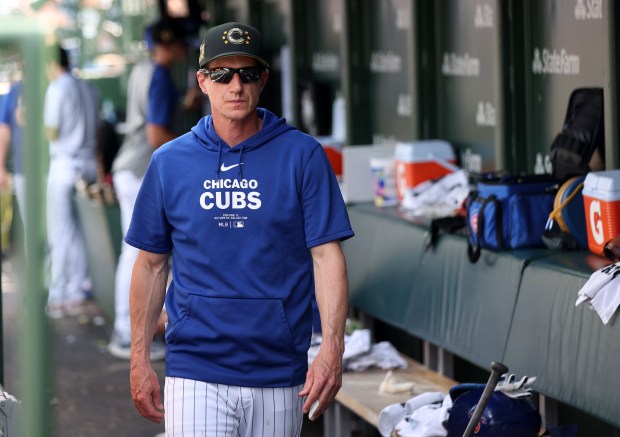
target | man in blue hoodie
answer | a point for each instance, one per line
(250, 210)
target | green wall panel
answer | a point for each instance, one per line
(392, 75)
(469, 108)
(568, 46)
(324, 20)
(275, 29)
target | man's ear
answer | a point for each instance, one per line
(263, 79)
(200, 77)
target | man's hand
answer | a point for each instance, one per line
(145, 392)
(146, 300)
(324, 379)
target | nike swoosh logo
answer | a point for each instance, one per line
(228, 167)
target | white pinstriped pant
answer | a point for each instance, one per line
(195, 408)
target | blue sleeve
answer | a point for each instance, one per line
(8, 106)
(149, 229)
(325, 214)
(163, 98)
(4, 118)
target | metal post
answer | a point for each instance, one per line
(25, 34)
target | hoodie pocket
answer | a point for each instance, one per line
(244, 334)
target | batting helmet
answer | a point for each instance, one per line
(503, 416)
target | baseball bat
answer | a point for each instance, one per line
(497, 370)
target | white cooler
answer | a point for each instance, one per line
(418, 161)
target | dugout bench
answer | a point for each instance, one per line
(360, 395)
(517, 307)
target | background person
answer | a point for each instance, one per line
(11, 121)
(251, 212)
(71, 118)
(153, 102)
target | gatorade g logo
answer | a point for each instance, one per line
(596, 224)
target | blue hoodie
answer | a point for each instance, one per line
(239, 222)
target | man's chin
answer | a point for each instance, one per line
(238, 113)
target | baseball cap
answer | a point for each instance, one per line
(231, 39)
(168, 31)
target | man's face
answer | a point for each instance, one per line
(234, 100)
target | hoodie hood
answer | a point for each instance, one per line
(208, 137)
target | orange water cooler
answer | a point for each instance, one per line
(601, 198)
(418, 161)
(333, 150)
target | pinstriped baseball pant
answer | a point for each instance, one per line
(195, 408)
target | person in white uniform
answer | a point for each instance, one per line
(153, 102)
(71, 118)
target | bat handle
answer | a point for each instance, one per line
(497, 370)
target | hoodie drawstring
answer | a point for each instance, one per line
(239, 170)
(219, 158)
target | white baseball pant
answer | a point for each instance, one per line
(126, 185)
(195, 408)
(68, 265)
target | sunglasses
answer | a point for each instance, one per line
(226, 74)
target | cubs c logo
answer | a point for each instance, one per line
(474, 222)
(236, 36)
(596, 225)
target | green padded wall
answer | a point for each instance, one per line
(573, 354)
(381, 263)
(437, 295)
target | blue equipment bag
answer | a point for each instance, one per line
(509, 213)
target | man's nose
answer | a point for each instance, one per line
(236, 80)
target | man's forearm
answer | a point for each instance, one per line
(324, 377)
(146, 299)
(331, 289)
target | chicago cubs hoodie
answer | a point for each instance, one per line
(239, 223)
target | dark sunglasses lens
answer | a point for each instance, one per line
(221, 75)
(225, 75)
(250, 74)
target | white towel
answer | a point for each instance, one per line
(437, 198)
(356, 344)
(602, 292)
(426, 421)
(393, 414)
(382, 355)
(360, 354)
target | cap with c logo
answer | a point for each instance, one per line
(231, 39)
